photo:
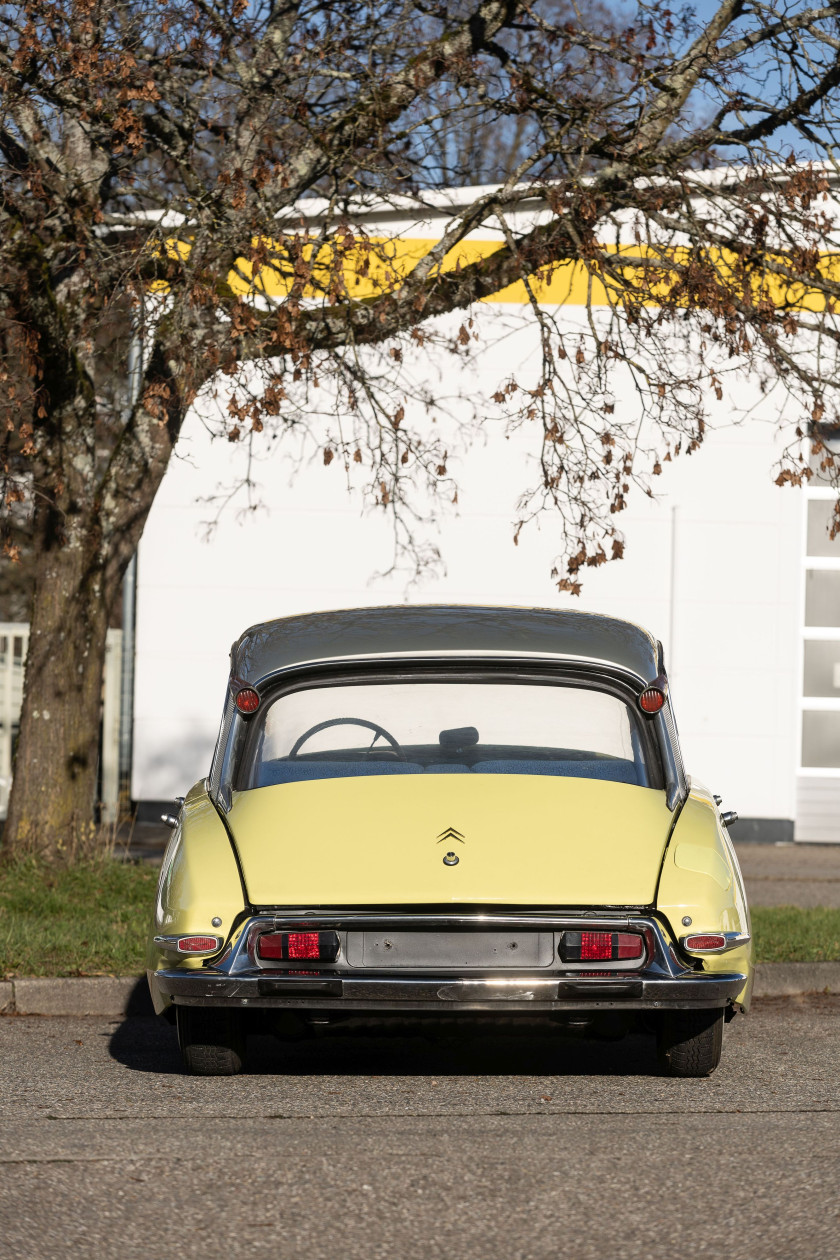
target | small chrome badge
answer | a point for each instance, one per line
(451, 834)
(451, 859)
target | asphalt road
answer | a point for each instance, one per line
(365, 1147)
(791, 875)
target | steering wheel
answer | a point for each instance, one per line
(348, 721)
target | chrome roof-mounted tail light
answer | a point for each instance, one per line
(245, 697)
(652, 699)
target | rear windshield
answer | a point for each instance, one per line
(440, 727)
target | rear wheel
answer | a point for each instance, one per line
(211, 1040)
(689, 1042)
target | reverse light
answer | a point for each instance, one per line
(705, 941)
(247, 700)
(601, 946)
(296, 946)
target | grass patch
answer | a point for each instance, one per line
(75, 920)
(790, 934)
(93, 917)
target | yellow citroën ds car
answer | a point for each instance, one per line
(416, 813)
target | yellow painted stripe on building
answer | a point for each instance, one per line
(381, 264)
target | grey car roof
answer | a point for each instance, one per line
(441, 630)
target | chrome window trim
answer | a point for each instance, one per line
(578, 671)
(477, 657)
(524, 660)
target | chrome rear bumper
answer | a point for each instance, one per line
(237, 979)
(425, 993)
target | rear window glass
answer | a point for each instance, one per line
(435, 727)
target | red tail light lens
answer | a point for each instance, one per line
(651, 700)
(198, 944)
(247, 700)
(629, 945)
(595, 945)
(294, 946)
(601, 946)
(708, 940)
(271, 945)
(304, 944)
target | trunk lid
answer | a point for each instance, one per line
(519, 839)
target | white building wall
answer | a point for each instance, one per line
(729, 621)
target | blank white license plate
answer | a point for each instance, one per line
(450, 949)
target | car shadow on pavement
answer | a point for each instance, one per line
(145, 1044)
(486, 1053)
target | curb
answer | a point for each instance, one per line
(789, 979)
(111, 996)
(117, 996)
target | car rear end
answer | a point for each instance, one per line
(491, 849)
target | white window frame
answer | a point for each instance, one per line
(809, 634)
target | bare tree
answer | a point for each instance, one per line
(154, 158)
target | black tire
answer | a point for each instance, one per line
(211, 1040)
(689, 1042)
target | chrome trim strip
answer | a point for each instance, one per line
(396, 919)
(349, 923)
(462, 656)
(342, 920)
(676, 790)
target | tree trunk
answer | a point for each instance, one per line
(51, 809)
(86, 529)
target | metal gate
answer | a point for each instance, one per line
(14, 640)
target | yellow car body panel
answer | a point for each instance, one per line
(199, 881)
(526, 840)
(701, 880)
